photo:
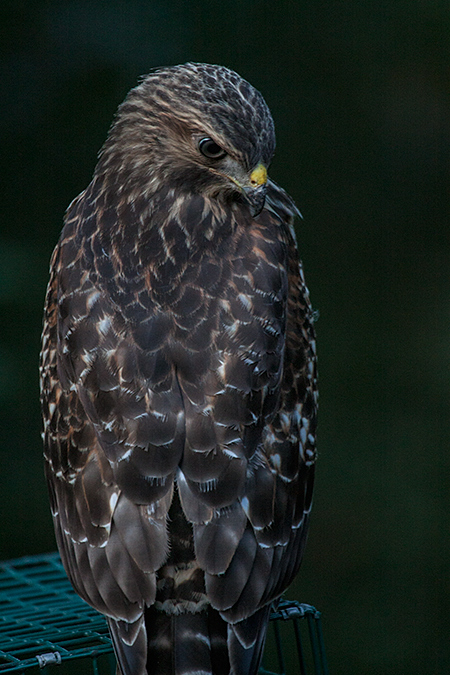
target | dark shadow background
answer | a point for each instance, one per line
(361, 99)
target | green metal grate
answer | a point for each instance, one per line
(42, 620)
(46, 628)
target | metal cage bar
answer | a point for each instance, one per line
(296, 613)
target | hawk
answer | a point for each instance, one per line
(178, 379)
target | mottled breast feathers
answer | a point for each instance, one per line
(178, 381)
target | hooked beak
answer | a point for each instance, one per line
(257, 190)
(256, 197)
(253, 187)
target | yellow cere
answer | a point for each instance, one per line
(259, 175)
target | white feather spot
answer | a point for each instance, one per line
(221, 370)
(113, 501)
(276, 461)
(245, 504)
(208, 485)
(229, 452)
(245, 300)
(285, 422)
(92, 299)
(104, 325)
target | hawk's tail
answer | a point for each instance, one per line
(190, 644)
(193, 644)
(186, 643)
(181, 633)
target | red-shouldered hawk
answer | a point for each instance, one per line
(179, 379)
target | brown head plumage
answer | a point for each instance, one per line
(155, 139)
(178, 379)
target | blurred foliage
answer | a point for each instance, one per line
(360, 95)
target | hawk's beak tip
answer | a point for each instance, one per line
(256, 198)
(256, 194)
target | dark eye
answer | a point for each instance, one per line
(210, 149)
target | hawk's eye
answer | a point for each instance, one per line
(210, 149)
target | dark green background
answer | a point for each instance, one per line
(360, 93)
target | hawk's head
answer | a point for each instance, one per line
(197, 128)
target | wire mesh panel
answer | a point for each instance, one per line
(46, 628)
(43, 621)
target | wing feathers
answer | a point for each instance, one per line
(138, 586)
(144, 537)
(216, 541)
(225, 590)
(246, 642)
(130, 645)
